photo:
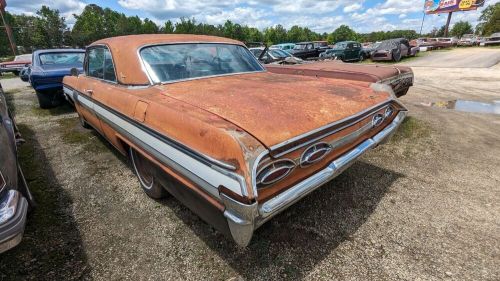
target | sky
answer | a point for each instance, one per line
(318, 15)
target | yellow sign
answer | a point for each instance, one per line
(466, 4)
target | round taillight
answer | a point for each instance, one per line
(389, 112)
(274, 172)
(314, 153)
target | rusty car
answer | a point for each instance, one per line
(399, 78)
(15, 197)
(16, 65)
(393, 50)
(203, 121)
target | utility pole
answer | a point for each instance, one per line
(447, 25)
(3, 4)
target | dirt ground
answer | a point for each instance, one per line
(423, 207)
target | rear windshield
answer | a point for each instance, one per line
(167, 63)
(61, 58)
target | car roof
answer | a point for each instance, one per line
(125, 51)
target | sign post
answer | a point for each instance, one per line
(3, 4)
(447, 28)
(449, 7)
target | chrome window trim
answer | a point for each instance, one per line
(148, 75)
(85, 64)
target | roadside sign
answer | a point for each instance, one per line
(450, 6)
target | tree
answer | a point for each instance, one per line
(489, 20)
(343, 33)
(89, 25)
(168, 27)
(460, 28)
(149, 27)
(48, 28)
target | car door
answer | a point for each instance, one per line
(94, 71)
(349, 52)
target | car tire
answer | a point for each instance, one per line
(47, 99)
(83, 122)
(146, 172)
(361, 57)
(396, 55)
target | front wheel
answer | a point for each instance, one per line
(147, 174)
(396, 55)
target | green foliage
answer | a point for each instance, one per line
(343, 33)
(381, 35)
(460, 28)
(489, 20)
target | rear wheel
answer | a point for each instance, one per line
(147, 174)
(361, 57)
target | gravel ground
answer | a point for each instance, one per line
(423, 207)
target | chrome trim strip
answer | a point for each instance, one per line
(297, 192)
(203, 174)
(357, 115)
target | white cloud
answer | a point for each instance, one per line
(66, 7)
(352, 8)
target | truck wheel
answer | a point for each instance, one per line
(47, 99)
(146, 172)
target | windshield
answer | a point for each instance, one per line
(167, 63)
(61, 58)
(340, 45)
(299, 47)
(23, 57)
(277, 53)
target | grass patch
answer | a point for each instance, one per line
(411, 128)
(7, 75)
(7, 58)
(74, 133)
(51, 246)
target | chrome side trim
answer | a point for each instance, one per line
(297, 192)
(207, 176)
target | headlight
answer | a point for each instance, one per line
(8, 205)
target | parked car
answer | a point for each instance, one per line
(25, 74)
(438, 43)
(202, 111)
(399, 78)
(345, 51)
(448, 42)
(284, 46)
(394, 50)
(15, 198)
(16, 65)
(322, 45)
(493, 40)
(47, 72)
(306, 50)
(467, 40)
(267, 56)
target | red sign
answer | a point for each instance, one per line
(448, 6)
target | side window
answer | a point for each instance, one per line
(109, 68)
(95, 63)
(349, 46)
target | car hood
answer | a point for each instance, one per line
(339, 70)
(15, 62)
(273, 107)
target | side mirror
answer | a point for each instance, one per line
(74, 72)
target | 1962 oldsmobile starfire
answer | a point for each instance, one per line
(201, 119)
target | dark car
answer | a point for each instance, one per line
(15, 198)
(267, 56)
(394, 50)
(307, 50)
(16, 65)
(47, 72)
(345, 51)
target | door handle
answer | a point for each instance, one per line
(90, 92)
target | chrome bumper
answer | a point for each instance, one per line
(244, 219)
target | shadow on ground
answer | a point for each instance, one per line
(52, 247)
(290, 245)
